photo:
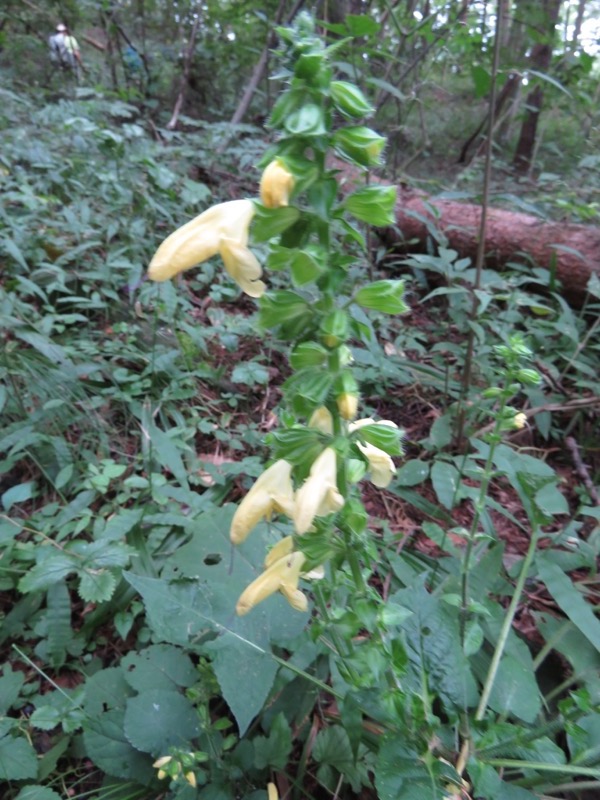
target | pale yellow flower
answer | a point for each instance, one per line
(191, 779)
(347, 404)
(222, 229)
(381, 466)
(159, 764)
(283, 548)
(519, 420)
(322, 420)
(272, 492)
(318, 495)
(272, 793)
(276, 185)
(282, 576)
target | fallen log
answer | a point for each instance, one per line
(573, 251)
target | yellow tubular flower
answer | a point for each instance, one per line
(191, 779)
(272, 793)
(319, 495)
(222, 229)
(283, 548)
(272, 492)
(347, 404)
(322, 420)
(381, 466)
(519, 420)
(283, 575)
(276, 185)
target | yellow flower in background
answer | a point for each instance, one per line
(519, 420)
(322, 420)
(159, 764)
(347, 404)
(276, 185)
(318, 495)
(282, 576)
(222, 229)
(272, 492)
(381, 466)
(191, 779)
(272, 793)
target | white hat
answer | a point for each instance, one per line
(60, 27)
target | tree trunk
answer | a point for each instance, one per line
(187, 63)
(541, 56)
(571, 250)
(259, 69)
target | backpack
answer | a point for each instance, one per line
(59, 52)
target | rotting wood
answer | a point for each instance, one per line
(572, 250)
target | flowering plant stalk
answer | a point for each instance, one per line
(321, 451)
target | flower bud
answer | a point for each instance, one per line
(276, 185)
(335, 328)
(349, 99)
(347, 405)
(530, 377)
(360, 145)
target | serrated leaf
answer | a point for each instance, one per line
(108, 748)
(515, 690)
(18, 759)
(197, 594)
(250, 373)
(46, 573)
(160, 666)
(159, 719)
(96, 585)
(58, 621)
(18, 494)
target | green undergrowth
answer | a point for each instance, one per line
(133, 417)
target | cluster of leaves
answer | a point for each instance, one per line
(117, 556)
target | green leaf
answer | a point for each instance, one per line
(569, 599)
(96, 585)
(108, 748)
(58, 620)
(48, 572)
(445, 480)
(385, 296)
(10, 686)
(197, 594)
(361, 25)
(18, 494)
(385, 437)
(250, 373)
(401, 773)
(37, 793)
(374, 205)
(18, 759)
(482, 80)
(270, 222)
(159, 719)
(412, 473)
(273, 751)
(434, 645)
(160, 666)
(515, 690)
